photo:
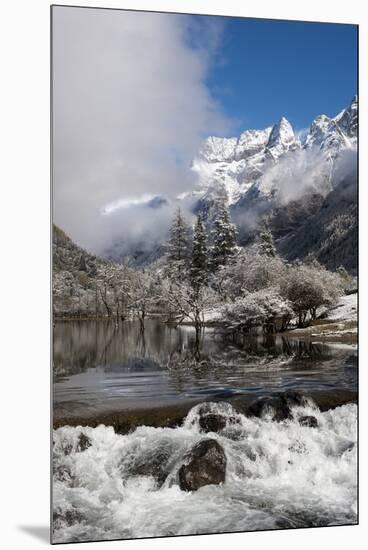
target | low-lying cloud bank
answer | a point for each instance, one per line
(297, 176)
(307, 170)
(131, 108)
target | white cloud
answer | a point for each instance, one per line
(130, 109)
(126, 203)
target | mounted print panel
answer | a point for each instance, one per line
(204, 274)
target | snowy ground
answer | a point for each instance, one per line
(339, 325)
(346, 309)
(339, 322)
(211, 316)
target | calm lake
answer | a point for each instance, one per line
(98, 366)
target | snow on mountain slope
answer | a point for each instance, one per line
(231, 164)
(326, 134)
(235, 165)
(281, 140)
(348, 120)
(330, 135)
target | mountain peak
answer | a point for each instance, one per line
(282, 138)
(284, 120)
(335, 133)
(281, 131)
(348, 119)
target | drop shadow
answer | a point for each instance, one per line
(40, 532)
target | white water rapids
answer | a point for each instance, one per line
(278, 475)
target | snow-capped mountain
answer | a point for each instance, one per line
(237, 164)
(281, 140)
(233, 163)
(333, 134)
(271, 173)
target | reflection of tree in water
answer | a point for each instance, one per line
(79, 346)
(272, 345)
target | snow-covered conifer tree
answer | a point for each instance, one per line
(178, 246)
(223, 236)
(266, 243)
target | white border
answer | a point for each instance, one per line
(24, 219)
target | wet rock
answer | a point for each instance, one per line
(277, 406)
(152, 467)
(308, 421)
(83, 443)
(69, 517)
(62, 472)
(67, 448)
(212, 423)
(293, 398)
(214, 417)
(206, 465)
(156, 463)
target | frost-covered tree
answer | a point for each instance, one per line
(266, 245)
(144, 294)
(178, 246)
(182, 299)
(223, 236)
(264, 308)
(112, 285)
(310, 286)
(199, 257)
(250, 272)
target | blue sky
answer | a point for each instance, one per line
(267, 69)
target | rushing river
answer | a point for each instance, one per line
(278, 474)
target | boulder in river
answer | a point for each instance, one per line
(293, 398)
(212, 423)
(206, 465)
(275, 405)
(214, 417)
(66, 518)
(62, 472)
(154, 462)
(83, 443)
(279, 405)
(308, 421)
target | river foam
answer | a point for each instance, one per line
(279, 475)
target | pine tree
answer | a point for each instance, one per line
(223, 236)
(178, 246)
(266, 245)
(199, 259)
